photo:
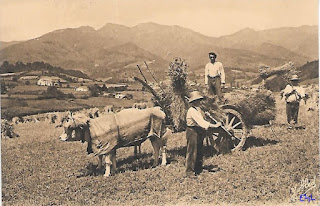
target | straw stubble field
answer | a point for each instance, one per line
(38, 169)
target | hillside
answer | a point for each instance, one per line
(309, 71)
(120, 61)
(105, 52)
(300, 40)
(4, 44)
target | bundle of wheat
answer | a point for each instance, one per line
(7, 130)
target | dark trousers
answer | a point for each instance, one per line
(292, 109)
(214, 84)
(194, 156)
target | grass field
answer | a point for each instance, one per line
(24, 104)
(38, 169)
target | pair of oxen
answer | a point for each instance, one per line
(108, 132)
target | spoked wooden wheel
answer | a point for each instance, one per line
(235, 124)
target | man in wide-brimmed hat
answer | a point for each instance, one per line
(195, 133)
(293, 95)
(214, 76)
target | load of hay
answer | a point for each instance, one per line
(257, 108)
(7, 130)
(209, 104)
(174, 94)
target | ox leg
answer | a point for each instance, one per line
(139, 146)
(108, 165)
(164, 155)
(111, 163)
(135, 151)
(156, 147)
(100, 162)
(114, 162)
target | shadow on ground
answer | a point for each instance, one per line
(146, 160)
(253, 141)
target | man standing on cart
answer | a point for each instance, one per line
(214, 76)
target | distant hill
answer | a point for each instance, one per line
(301, 40)
(4, 44)
(113, 49)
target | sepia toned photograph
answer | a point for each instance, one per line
(171, 102)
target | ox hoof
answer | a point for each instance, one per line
(106, 175)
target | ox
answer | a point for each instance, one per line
(109, 132)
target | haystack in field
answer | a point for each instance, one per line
(7, 129)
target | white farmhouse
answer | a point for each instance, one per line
(82, 89)
(50, 81)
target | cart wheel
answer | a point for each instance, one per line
(235, 124)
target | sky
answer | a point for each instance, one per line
(27, 19)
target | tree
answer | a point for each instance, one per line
(3, 88)
(6, 67)
(95, 90)
(104, 88)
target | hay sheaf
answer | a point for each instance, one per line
(174, 93)
(7, 129)
(257, 108)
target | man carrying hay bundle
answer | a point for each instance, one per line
(293, 95)
(195, 133)
(214, 76)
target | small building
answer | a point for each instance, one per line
(50, 81)
(82, 89)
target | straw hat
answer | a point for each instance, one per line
(195, 95)
(294, 77)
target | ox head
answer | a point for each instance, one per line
(72, 126)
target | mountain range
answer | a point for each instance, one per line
(115, 50)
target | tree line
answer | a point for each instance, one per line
(19, 66)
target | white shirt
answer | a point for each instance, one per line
(195, 118)
(294, 96)
(213, 70)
